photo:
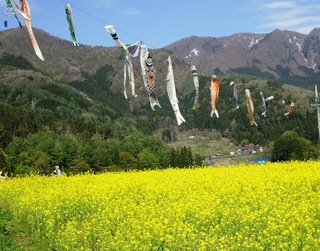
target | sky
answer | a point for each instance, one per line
(159, 23)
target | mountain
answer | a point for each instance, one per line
(80, 89)
(286, 56)
(68, 63)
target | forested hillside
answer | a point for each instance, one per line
(48, 117)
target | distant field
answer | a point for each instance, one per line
(206, 144)
(273, 206)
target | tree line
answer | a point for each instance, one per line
(39, 152)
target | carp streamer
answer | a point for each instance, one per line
(71, 24)
(24, 10)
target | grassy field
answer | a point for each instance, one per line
(274, 206)
(208, 143)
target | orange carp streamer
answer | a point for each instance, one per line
(214, 95)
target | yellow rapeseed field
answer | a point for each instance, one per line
(274, 206)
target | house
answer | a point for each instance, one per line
(248, 148)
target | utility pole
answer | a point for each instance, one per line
(317, 105)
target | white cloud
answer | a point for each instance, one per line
(104, 3)
(280, 5)
(297, 15)
(111, 4)
(130, 11)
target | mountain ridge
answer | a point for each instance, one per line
(287, 56)
(282, 54)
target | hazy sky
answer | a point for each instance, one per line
(161, 22)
